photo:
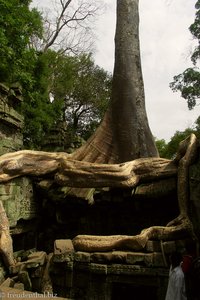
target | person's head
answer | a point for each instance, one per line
(175, 259)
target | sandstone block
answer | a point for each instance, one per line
(9, 282)
(63, 251)
(158, 260)
(169, 247)
(82, 256)
(153, 246)
(36, 259)
(98, 268)
(135, 258)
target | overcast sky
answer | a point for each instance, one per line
(166, 45)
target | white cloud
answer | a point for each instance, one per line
(104, 55)
(165, 49)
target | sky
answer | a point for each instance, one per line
(166, 45)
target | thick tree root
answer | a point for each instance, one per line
(138, 242)
(6, 247)
(62, 169)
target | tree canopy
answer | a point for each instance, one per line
(18, 23)
(188, 82)
(57, 86)
(84, 90)
(169, 149)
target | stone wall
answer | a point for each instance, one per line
(11, 120)
(16, 195)
(111, 275)
(108, 275)
(18, 200)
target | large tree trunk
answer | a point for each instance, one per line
(131, 131)
(124, 134)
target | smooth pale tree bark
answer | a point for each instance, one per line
(73, 173)
(131, 131)
(124, 134)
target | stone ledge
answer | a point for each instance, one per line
(154, 259)
(120, 269)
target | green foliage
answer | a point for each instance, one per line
(17, 25)
(84, 89)
(188, 82)
(39, 112)
(173, 144)
(56, 87)
(195, 30)
(21, 63)
(69, 89)
(169, 150)
(162, 147)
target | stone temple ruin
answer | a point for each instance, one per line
(43, 227)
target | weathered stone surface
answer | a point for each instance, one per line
(14, 269)
(63, 246)
(9, 282)
(10, 143)
(158, 260)
(153, 246)
(121, 269)
(98, 268)
(169, 247)
(82, 256)
(11, 120)
(130, 258)
(56, 138)
(69, 265)
(140, 258)
(36, 259)
(37, 272)
(63, 251)
(106, 257)
(46, 283)
(17, 198)
(22, 255)
(10, 115)
(25, 279)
